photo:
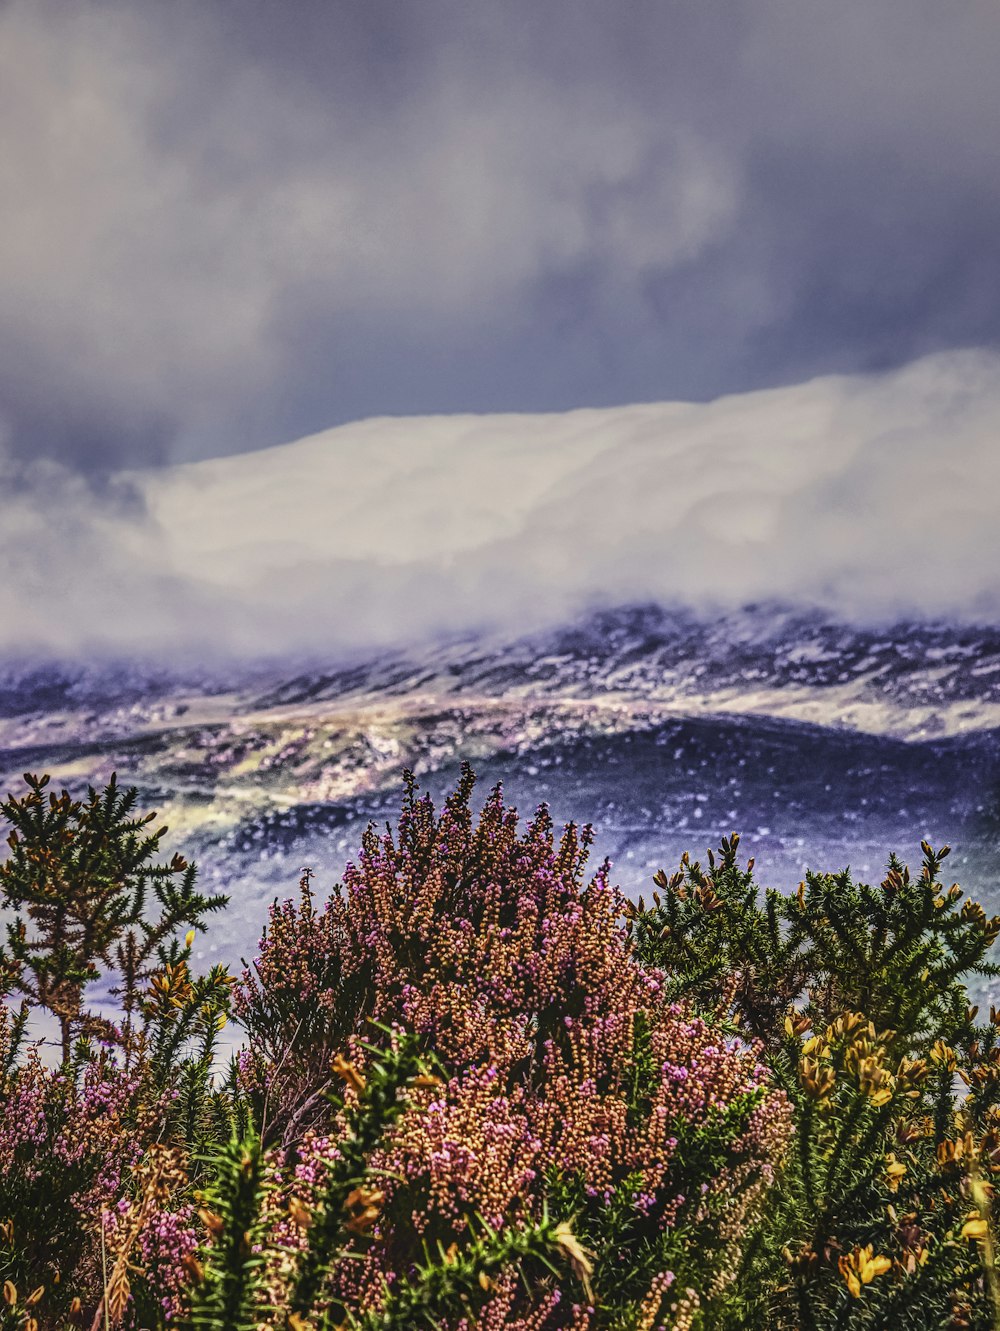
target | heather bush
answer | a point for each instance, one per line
(272, 1254)
(96, 1170)
(572, 1082)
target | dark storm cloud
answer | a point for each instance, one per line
(230, 223)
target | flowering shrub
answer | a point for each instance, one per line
(70, 1141)
(857, 997)
(572, 1080)
(85, 1186)
(90, 1192)
(480, 1089)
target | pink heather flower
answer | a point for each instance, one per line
(487, 940)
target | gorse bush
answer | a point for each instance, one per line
(480, 1088)
(857, 997)
(79, 877)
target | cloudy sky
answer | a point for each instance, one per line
(228, 223)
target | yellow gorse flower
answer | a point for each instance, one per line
(796, 1023)
(171, 989)
(943, 1056)
(817, 1081)
(349, 1074)
(975, 1227)
(849, 1024)
(874, 1080)
(579, 1258)
(895, 1170)
(860, 1268)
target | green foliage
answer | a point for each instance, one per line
(901, 952)
(176, 1044)
(138, 1184)
(19, 1302)
(79, 878)
(456, 1283)
(365, 1124)
(857, 996)
(232, 1291)
(228, 1293)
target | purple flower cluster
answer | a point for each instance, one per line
(166, 1243)
(50, 1120)
(563, 1057)
(74, 1142)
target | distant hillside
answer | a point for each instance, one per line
(819, 741)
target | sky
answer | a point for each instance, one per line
(231, 223)
(401, 229)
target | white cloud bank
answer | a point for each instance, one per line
(870, 496)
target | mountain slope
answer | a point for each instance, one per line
(823, 743)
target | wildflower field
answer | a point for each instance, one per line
(477, 1087)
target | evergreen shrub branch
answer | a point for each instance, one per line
(379, 1101)
(858, 998)
(229, 1291)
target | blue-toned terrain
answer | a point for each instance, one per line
(825, 745)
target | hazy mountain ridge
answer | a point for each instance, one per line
(901, 679)
(747, 659)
